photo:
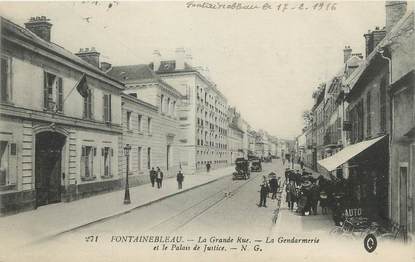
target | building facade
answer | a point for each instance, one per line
(150, 122)
(60, 140)
(202, 115)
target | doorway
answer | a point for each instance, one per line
(168, 157)
(403, 196)
(48, 161)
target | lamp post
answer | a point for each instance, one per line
(127, 200)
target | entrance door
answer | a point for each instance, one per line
(403, 189)
(48, 158)
(168, 157)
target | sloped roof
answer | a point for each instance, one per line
(139, 72)
(406, 21)
(26, 35)
(132, 72)
(169, 66)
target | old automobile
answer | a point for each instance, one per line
(241, 169)
(256, 165)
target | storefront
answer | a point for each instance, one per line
(366, 188)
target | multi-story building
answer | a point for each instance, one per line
(150, 122)
(60, 120)
(202, 114)
(375, 181)
(235, 136)
(318, 128)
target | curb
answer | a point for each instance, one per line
(73, 228)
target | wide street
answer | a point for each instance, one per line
(225, 206)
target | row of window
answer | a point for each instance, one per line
(88, 159)
(167, 106)
(139, 126)
(53, 90)
(136, 154)
(200, 164)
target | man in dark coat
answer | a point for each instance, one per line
(263, 192)
(273, 184)
(159, 178)
(152, 176)
(180, 179)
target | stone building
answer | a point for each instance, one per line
(235, 136)
(60, 120)
(203, 112)
(150, 122)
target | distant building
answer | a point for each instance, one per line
(203, 112)
(235, 135)
(150, 122)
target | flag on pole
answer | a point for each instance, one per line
(82, 86)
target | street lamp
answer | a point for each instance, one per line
(127, 200)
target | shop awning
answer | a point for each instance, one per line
(344, 155)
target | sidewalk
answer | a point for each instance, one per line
(290, 223)
(51, 220)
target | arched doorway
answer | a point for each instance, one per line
(48, 165)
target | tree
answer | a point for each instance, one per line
(308, 118)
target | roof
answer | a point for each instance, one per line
(132, 72)
(406, 21)
(169, 66)
(139, 72)
(28, 36)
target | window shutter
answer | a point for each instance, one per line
(105, 108)
(45, 90)
(82, 164)
(109, 108)
(112, 152)
(95, 151)
(12, 164)
(85, 107)
(90, 99)
(60, 95)
(102, 151)
(4, 80)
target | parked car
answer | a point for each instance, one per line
(241, 169)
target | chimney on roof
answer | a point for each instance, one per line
(40, 26)
(89, 55)
(156, 60)
(105, 66)
(188, 59)
(180, 56)
(373, 38)
(347, 53)
(395, 10)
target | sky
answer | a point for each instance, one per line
(266, 62)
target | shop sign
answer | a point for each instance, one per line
(353, 212)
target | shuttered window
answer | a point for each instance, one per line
(8, 163)
(88, 105)
(107, 108)
(5, 91)
(107, 154)
(52, 92)
(87, 161)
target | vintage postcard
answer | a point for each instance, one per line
(207, 131)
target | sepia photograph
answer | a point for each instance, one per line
(207, 131)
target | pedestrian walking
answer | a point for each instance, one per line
(291, 192)
(159, 178)
(263, 192)
(208, 167)
(315, 196)
(152, 176)
(273, 185)
(180, 178)
(302, 164)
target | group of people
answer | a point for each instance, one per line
(306, 192)
(156, 177)
(268, 186)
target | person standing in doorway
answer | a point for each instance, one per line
(152, 176)
(180, 178)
